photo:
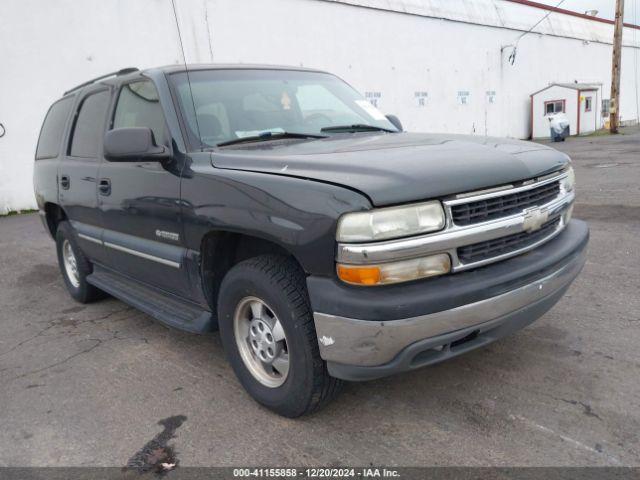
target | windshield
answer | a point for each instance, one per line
(233, 104)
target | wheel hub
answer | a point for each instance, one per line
(261, 340)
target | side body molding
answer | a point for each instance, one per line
(170, 255)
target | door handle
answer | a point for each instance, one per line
(65, 182)
(104, 187)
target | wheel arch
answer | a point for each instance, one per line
(221, 250)
(54, 214)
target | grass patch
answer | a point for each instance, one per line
(11, 213)
(625, 130)
(599, 133)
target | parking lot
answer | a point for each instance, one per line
(88, 384)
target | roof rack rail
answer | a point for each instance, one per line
(118, 73)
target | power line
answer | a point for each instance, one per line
(186, 68)
(540, 21)
(512, 56)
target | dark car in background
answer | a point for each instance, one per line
(280, 206)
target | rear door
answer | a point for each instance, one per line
(78, 170)
(48, 152)
(140, 200)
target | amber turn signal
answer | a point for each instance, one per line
(395, 272)
(359, 275)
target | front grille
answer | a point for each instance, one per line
(503, 206)
(501, 246)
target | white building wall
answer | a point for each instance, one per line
(396, 51)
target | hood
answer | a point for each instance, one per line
(400, 167)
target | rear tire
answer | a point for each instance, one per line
(265, 320)
(74, 266)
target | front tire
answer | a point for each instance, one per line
(269, 337)
(74, 266)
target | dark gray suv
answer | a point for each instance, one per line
(280, 206)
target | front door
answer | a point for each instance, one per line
(78, 171)
(140, 200)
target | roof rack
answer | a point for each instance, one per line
(118, 73)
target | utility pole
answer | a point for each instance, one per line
(614, 112)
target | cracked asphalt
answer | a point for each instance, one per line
(87, 385)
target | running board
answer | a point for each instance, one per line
(168, 309)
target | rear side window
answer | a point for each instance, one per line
(89, 128)
(139, 106)
(53, 129)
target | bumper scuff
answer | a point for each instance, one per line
(364, 349)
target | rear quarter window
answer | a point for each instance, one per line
(52, 129)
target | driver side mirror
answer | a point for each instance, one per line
(133, 144)
(395, 121)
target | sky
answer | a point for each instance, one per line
(606, 8)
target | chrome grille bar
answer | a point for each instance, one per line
(503, 206)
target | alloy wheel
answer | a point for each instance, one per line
(261, 341)
(70, 264)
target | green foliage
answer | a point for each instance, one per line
(17, 212)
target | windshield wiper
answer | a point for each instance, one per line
(263, 137)
(358, 127)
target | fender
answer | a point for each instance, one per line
(300, 215)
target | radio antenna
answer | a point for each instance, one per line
(186, 68)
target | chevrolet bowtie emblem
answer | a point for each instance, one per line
(534, 218)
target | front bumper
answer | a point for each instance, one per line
(365, 333)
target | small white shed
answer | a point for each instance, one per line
(580, 102)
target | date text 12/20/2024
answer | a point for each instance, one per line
(369, 472)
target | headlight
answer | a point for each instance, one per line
(395, 272)
(569, 182)
(391, 222)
